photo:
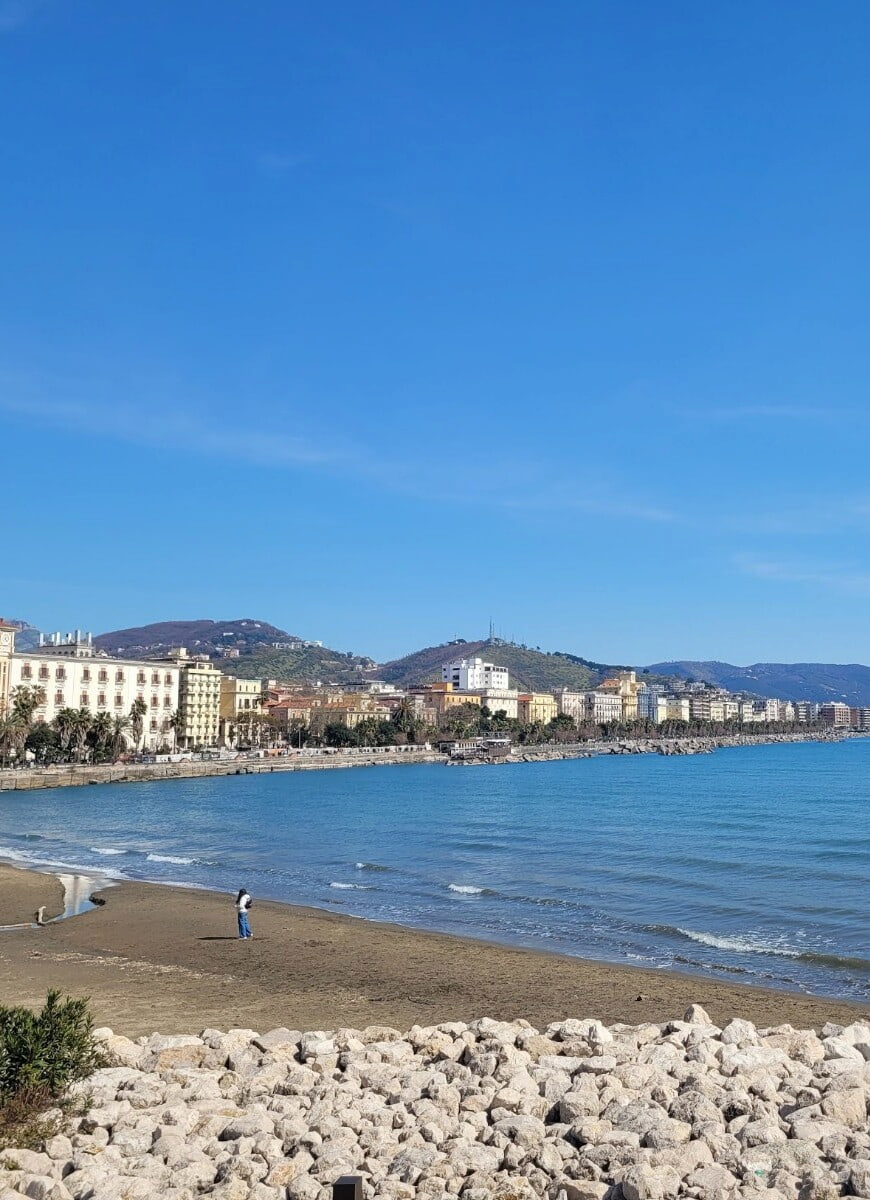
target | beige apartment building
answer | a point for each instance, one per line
(572, 704)
(239, 698)
(199, 700)
(504, 700)
(603, 707)
(534, 707)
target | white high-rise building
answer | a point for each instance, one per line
(472, 674)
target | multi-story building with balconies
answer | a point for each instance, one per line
(199, 700)
(72, 674)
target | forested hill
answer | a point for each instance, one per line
(200, 637)
(535, 670)
(848, 682)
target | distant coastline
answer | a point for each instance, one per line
(73, 775)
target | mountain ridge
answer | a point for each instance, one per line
(819, 682)
(530, 669)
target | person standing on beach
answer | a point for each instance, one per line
(243, 903)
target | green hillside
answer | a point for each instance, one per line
(532, 670)
(308, 665)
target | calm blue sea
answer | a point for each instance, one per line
(752, 864)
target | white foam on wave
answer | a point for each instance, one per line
(170, 858)
(465, 889)
(107, 850)
(37, 862)
(744, 945)
(351, 887)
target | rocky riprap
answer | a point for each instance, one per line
(487, 1109)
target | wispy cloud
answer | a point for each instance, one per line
(847, 577)
(172, 430)
(767, 412)
(576, 500)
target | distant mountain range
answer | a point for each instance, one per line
(532, 669)
(821, 682)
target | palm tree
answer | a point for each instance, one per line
(81, 728)
(405, 719)
(12, 735)
(138, 709)
(176, 724)
(117, 741)
(64, 723)
(101, 733)
(25, 702)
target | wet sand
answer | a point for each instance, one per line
(23, 892)
(168, 959)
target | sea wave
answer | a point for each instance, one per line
(106, 850)
(352, 887)
(757, 944)
(469, 889)
(367, 866)
(170, 858)
(37, 862)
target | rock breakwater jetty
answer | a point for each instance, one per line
(488, 1109)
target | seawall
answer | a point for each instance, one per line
(37, 778)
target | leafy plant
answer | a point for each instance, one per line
(44, 1053)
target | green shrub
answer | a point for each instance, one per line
(42, 1054)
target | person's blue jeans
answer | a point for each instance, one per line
(244, 927)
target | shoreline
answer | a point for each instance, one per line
(76, 775)
(162, 956)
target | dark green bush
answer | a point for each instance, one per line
(42, 1054)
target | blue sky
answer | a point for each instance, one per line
(377, 320)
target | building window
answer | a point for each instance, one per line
(60, 673)
(103, 676)
(119, 677)
(83, 700)
(154, 701)
(27, 671)
(155, 680)
(140, 678)
(119, 700)
(167, 702)
(167, 679)
(43, 672)
(86, 675)
(153, 725)
(58, 698)
(101, 700)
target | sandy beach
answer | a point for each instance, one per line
(155, 957)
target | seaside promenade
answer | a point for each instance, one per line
(71, 775)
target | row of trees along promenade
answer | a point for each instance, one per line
(76, 735)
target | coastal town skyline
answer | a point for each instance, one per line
(308, 306)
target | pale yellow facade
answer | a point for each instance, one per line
(199, 701)
(240, 699)
(534, 707)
